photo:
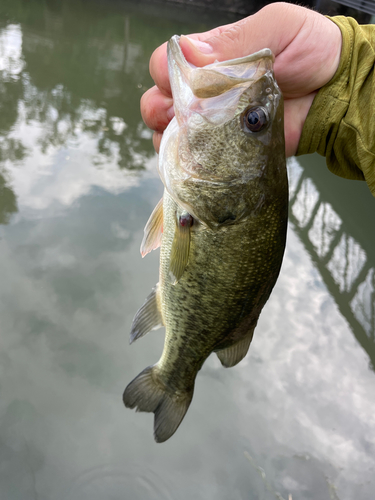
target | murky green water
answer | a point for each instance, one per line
(295, 420)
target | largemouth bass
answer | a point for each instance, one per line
(221, 225)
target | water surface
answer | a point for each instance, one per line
(295, 420)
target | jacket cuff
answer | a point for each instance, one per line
(323, 123)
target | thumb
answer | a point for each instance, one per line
(229, 44)
(264, 29)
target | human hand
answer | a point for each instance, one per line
(306, 45)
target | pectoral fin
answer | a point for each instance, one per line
(148, 317)
(234, 354)
(153, 230)
(180, 247)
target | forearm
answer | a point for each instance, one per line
(341, 122)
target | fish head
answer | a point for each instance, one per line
(223, 154)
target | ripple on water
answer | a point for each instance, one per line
(116, 483)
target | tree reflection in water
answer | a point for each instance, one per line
(66, 81)
(8, 203)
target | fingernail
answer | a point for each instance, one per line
(203, 47)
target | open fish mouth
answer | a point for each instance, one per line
(213, 91)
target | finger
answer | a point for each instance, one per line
(158, 68)
(266, 28)
(156, 139)
(156, 109)
(307, 51)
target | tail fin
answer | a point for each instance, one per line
(147, 393)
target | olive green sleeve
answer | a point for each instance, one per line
(341, 122)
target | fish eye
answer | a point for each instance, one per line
(254, 119)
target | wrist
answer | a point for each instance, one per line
(295, 114)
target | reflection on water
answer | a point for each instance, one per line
(295, 420)
(344, 265)
(8, 204)
(68, 92)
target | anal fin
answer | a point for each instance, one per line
(147, 318)
(153, 230)
(234, 354)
